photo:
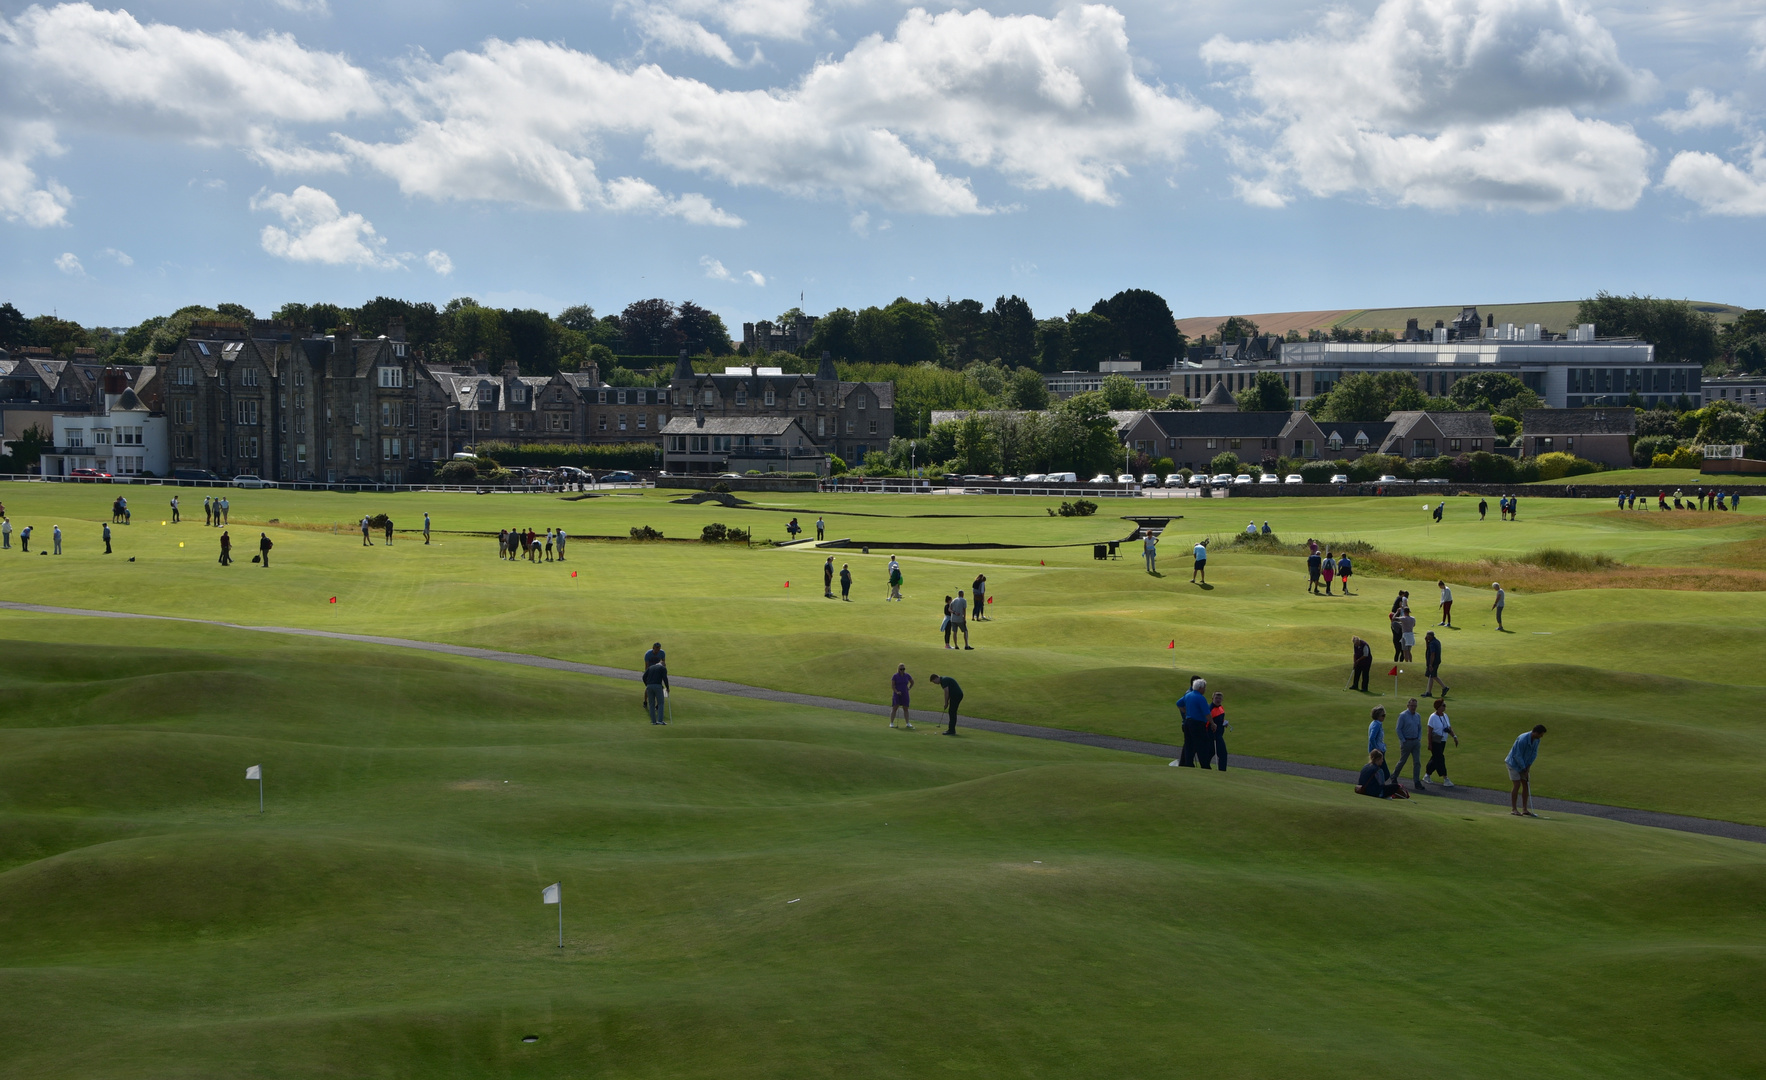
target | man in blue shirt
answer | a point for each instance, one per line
(1520, 765)
(1198, 740)
(1410, 744)
(655, 656)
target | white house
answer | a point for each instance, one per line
(121, 437)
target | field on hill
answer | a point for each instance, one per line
(1646, 664)
(1555, 315)
(771, 891)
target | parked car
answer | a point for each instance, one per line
(89, 476)
(1125, 478)
(1269, 478)
(1103, 478)
(620, 478)
(1339, 478)
(1221, 478)
(1062, 478)
(357, 478)
(1174, 480)
(1150, 479)
(1008, 479)
(1433, 480)
(1242, 478)
(1036, 478)
(193, 474)
(1294, 478)
(249, 481)
(1387, 479)
(1199, 479)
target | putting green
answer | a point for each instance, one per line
(1650, 692)
(763, 890)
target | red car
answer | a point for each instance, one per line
(91, 476)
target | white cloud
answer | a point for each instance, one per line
(318, 8)
(1703, 110)
(439, 262)
(68, 263)
(23, 196)
(319, 231)
(122, 257)
(1444, 104)
(716, 271)
(1718, 186)
(661, 26)
(1757, 54)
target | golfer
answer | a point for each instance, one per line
(1446, 604)
(1408, 622)
(1410, 744)
(953, 697)
(1150, 551)
(899, 685)
(1483, 508)
(561, 539)
(894, 579)
(1432, 664)
(1198, 741)
(656, 691)
(1328, 569)
(1520, 767)
(959, 621)
(174, 509)
(1364, 664)
(820, 525)
(1440, 730)
(1499, 603)
(226, 548)
(1344, 567)
(264, 546)
(426, 529)
(846, 582)
(1312, 570)
(1201, 562)
(107, 538)
(1217, 719)
(828, 578)
(57, 536)
(655, 656)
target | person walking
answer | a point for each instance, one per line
(366, 542)
(208, 511)
(5, 532)
(1440, 730)
(57, 535)
(502, 544)
(1410, 744)
(655, 656)
(959, 620)
(1344, 568)
(561, 539)
(656, 692)
(1446, 604)
(1438, 511)
(899, 685)
(264, 546)
(1328, 569)
(1218, 721)
(226, 548)
(1483, 508)
(828, 578)
(1432, 663)
(1198, 740)
(1376, 730)
(1150, 551)
(426, 527)
(978, 589)
(846, 582)
(1520, 771)
(953, 697)
(820, 526)
(1376, 780)
(1499, 603)
(174, 509)
(1313, 563)
(1364, 664)
(895, 579)
(107, 538)
(793, 528)
(1201, 554)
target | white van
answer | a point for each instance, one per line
(1062, 478)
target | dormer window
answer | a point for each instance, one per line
(769, 398)
(802, 399)
(741, 395)
(861, 402)
(391, 378)
(621, 397)
(710, 396)
(1335, 442)
(1361, 438)
(248, 377)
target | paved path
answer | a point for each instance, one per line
(1706, 826)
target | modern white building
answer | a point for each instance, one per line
(120, 436)
(1064, 384)
(1747, 390)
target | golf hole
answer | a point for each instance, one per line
(530, 1038)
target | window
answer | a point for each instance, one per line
(564, 421)
(398, 348)
(769, 397)
(602, 422)
(182, 412)
(183, 445)
(621, 395)
(873, 427)
(861, 402)
(390, 449)
(802, 399)
(100, 437)
(710, 396)
(642, 417)
(821, 427)
(1213, 444)
(357, 447)
(76, 437)
(300, 379)
(1542, 445)
(1477, 444)
(386, 414)
(248, 377)
(1569, 444)
(821, 398)
(1453, 445)
(1236, 443)
(247, 412)
(253, 443)
(518, 394)
(1335, 442)
(741, 395)
(484, 421)
(435, 421)
(300, 423)
(391, 378)
(328, 448)
(849, 426)
(186, 375)
(622, 421)
(1422, 448)
(300, 453)
(358, 413)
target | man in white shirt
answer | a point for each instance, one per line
(1201, 563)
(959, 619)
(1150, 551)
(1446, 604)
(1440, 730)
(1499, 603)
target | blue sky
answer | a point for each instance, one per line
(1233, 157)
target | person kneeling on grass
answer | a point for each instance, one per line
(1376, 780)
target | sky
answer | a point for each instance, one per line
(752, 155)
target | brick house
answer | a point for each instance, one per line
(1603, 435)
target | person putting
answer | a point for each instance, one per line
(1446, 604)
(1201, 569)
(899, 685)
(953, 697)
(656, 692)
(1520, 760)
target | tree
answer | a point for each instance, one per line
(1235, 328)
(649, 326)
(1093, 339)
(977, 446)
(469, 330)
(1365, 396)
(13, 325)
(988, 379)
(578, 317)
(533, 340)
(1081, 433)
(1482, 390)
(1225, 462)
(1175, 403)
(963, 324)
(702, 330)
(27, 449)
(1026, 390)
(1013, 329)
(1267, 393)
(1679, 331)
(1144, 326)
(59, 336)
(1122, 392)
(836, 334)
(1054, 346)
(903, 333)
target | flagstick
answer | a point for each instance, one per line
(561, 919)
(260, 792)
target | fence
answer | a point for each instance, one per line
(320, 485)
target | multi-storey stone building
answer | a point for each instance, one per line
(849, 419)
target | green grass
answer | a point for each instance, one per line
(986, 905)
(1651, 481)
(1652, 692)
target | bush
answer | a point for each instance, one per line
(1556, 466)
(1319, 472)
(836, 465)
(590, 456)
(1369, 467)
(1078, 508)
(645, 532)
(1683, 457)
(1225, 462)
(1163, 467)
(722, 487)
(718, 533)
(379, 521)
(458, 472)
(1558, 559)
(1645, 449)
(1186, 474)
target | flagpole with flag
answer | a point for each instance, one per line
(1395, 672)
(551, 895)
(256, 772)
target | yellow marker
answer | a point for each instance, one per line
(180, 543)
(162, 523)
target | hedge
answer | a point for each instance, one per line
(581, 455)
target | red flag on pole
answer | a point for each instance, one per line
(334, 599)
(1173, 645)
(573, 573)
(787, 584)
(1393, 672)
(990, 599)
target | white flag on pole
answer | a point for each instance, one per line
(550, 895)
(256, 772)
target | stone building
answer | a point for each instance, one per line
(848, 419)
(765, 337)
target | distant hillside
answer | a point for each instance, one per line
(1557, 315)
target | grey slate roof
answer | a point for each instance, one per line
(1220, 395)
(1375, 430)
(1609, 421)
(1223, 425)
(732, 425)
(1452, 425)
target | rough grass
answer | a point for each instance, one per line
(762, 891)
